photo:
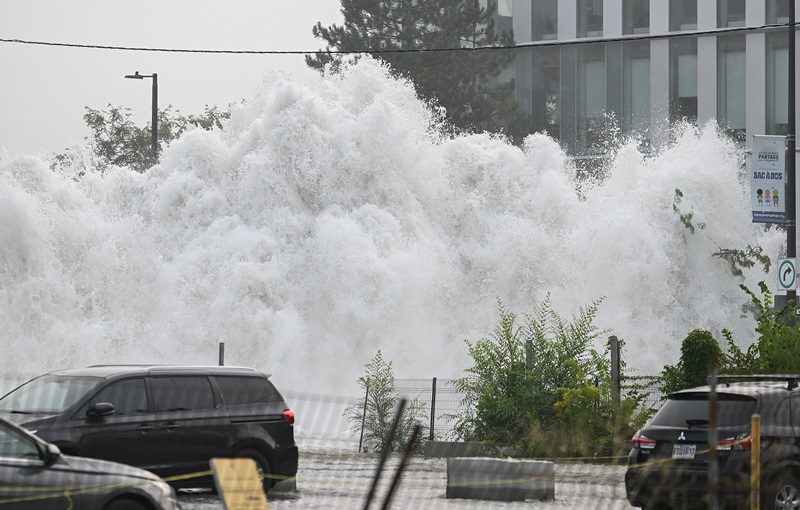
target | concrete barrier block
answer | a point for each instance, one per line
(439, 449)
(500, 479)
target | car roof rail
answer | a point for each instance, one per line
(790, 379)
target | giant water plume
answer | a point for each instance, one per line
(330, 220)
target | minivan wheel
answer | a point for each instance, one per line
(262, 466)
(783, 494)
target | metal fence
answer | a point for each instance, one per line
(441, 400)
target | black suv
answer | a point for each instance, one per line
(668, 464)
(166, 419)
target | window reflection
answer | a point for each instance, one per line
(730, 13)
(546, 94)
(777, 83)
(545, 20)
(683, 79)
(590, 18)
(777, 11)
(731, 79)
(682, 15)
(591, 96)
(636, 88)
(636, 16)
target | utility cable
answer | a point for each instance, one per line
(533, 44)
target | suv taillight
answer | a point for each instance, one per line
(288, 415)
(643, 442)
(741, 442)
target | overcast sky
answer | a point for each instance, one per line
(43, 90)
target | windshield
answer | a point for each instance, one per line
(48, 394)
(691, 410)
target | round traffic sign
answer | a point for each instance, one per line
(787, 274)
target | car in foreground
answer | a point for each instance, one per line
(35, 475)
(170, 420)
(668, 463)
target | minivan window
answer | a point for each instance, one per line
(691, 410)
(182, 393)
(247, 390)
(48, 394)
(128, 397)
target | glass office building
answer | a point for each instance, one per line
(642, 85)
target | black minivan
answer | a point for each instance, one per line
(170, 420)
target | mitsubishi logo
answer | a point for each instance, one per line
(682, 437)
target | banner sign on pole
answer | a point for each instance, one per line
(768, 179)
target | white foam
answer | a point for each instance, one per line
(331, 220)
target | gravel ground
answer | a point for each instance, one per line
(340, 480)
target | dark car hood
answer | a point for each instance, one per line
(22, 418)
(87, 465)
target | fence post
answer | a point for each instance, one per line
(222, 354)
(616, 440)
(363, 416)
(615, 375)
(713, 461)
(433, 408)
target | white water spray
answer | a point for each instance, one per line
(326, 222)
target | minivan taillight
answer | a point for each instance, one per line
(741, 442)
(288, 415)
(643, 442)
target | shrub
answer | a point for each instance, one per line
(697, 350)
(381, 404)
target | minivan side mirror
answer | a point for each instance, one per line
(100, 409)
(51, 454)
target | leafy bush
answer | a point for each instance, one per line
(539, 385)
(697, 350)
(777, 348)
(381, 405)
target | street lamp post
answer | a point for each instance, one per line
(791, 142)
(154, 121)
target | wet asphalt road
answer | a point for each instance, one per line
(340, 480)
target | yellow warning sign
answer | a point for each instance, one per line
(238, 484)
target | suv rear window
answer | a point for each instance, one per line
(691, 409)
(247, 390)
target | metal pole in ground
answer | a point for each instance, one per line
(433, 408)
(713, 460)
(791, 159)
(615, 388)
(222, 354)
(363, 416)
(755, 462)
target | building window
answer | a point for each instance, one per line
(731, 89)
(591, 98)
(590, 18)
(545, 20)
(777, 12)
(636, 88)
(777, 83)
(682, 15)
(683, 79)
(505, 8)
(635, 16)
(546, 91)
(730, 13)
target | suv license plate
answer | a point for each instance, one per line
(683, 451)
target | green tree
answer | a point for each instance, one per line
(465, 83)
(697, 350)
(381, 403)
(116, 140)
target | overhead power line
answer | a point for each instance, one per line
(549, 43)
